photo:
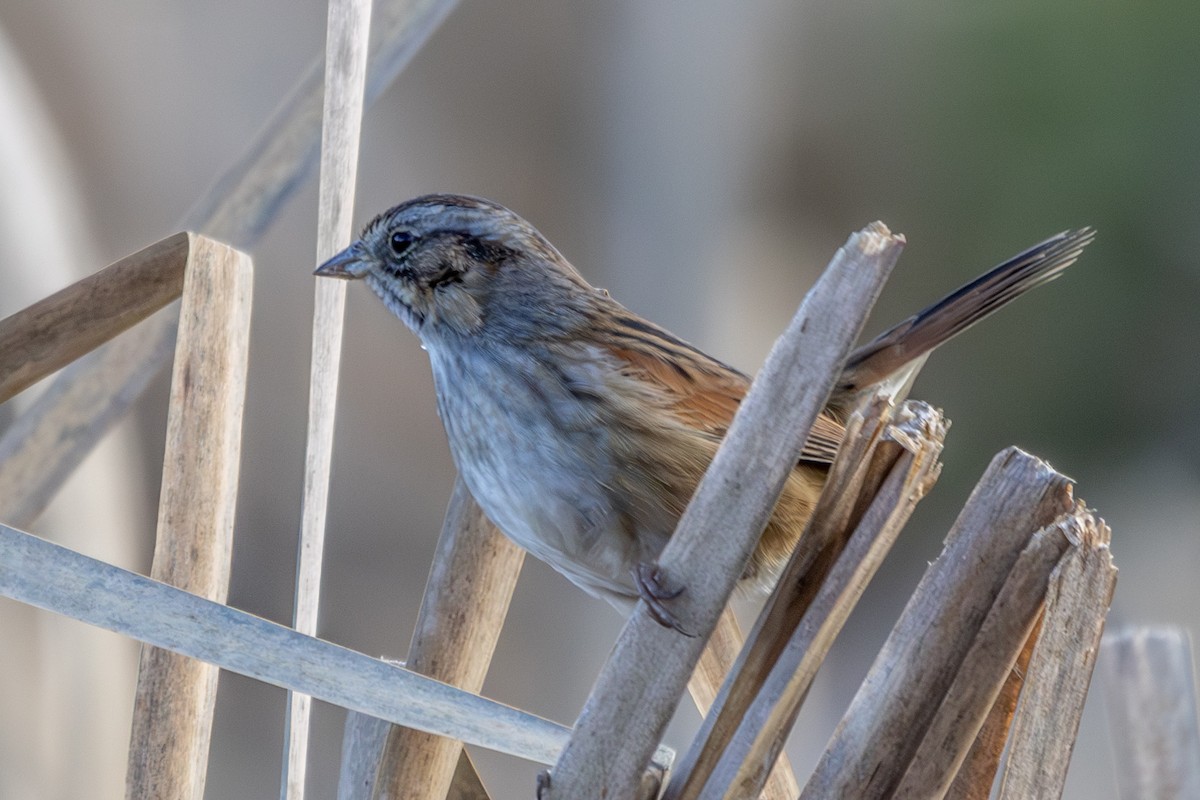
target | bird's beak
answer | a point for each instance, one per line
(348, 265)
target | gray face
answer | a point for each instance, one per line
(456, 266)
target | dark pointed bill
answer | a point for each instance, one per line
(347, 265)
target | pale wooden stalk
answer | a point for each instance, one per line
(362, 742)
(715, 665)
(1150, 697)
(978, 771)
(767, 720)
(1043, 733)
(466, 600)
(873, 745)
(345, 73)
(40, 450)
(644, 677)
(173, 706)
(55, 578)
(53, 332)
(981, 676)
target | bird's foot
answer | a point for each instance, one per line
(651, 587)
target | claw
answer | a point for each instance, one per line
(649, 580)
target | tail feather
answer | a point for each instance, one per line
(896, 349)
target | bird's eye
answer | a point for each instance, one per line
(400, 242)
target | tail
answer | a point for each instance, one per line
(903, 348)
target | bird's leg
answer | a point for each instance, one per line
(648, 577)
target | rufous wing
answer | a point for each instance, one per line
(705, 394)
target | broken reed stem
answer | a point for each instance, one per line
(715, 665)
(173, 706)
(640, 686)
(41, 449)
(836, 504)
(977, 774)
(466, 600)
(345, 72)
(1077, 601)
(875, 486)
(44, 444)
(53, 332)
(984, 670)
(1150, 697)
(874, 744)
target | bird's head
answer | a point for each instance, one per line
(454, 265)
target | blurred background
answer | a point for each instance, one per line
(702, 161)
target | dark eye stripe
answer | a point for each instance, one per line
(447, 276)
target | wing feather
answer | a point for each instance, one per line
(705, 393)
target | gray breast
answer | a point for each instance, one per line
(536, 454)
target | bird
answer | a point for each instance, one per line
(581, 428)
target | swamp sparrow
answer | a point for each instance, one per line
(582, 429)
